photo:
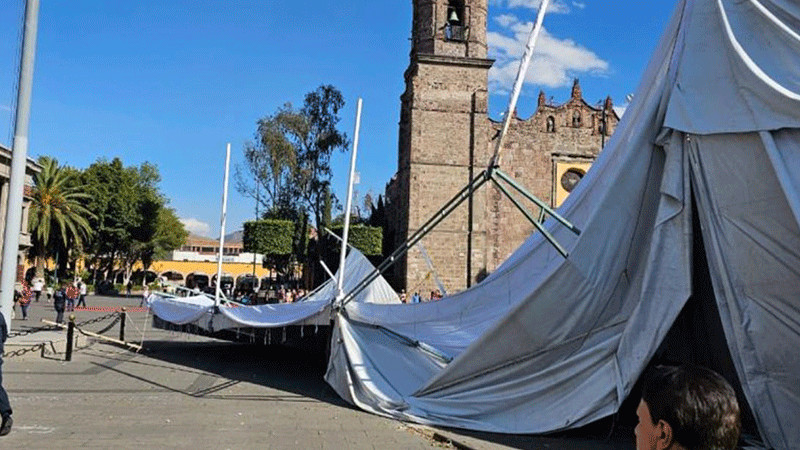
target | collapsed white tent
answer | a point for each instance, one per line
(547, 343)
(199, 309)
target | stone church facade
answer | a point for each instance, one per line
(446, 138)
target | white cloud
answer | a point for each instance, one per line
(620, 110)
(579, 5)
(196, 226)
(5, 107)
(555, 61)
(556, 6)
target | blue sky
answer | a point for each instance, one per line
(171, 82)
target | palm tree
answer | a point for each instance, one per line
(56, 211)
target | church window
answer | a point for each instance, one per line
(551, 124)
(571, 178)
(576, 119)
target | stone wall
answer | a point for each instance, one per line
(445, 134)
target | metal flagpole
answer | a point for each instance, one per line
(348, 205)
(523, 69)
(222, 226)
(19, 158)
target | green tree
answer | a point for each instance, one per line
(287, 166)
(57, 218)
(169, 235)
(128, 208)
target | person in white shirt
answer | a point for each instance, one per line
(145, 294)
(82, 297)
(38, 284)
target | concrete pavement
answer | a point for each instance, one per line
(189, 391)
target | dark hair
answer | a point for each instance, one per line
(697, 403)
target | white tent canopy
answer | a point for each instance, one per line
(199, 309)
(547, 343)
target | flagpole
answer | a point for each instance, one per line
(348, 205)
(222, 226)
(19, 159)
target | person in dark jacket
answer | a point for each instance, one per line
(60, 302)
(5, 405)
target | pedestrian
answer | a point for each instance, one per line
(38, 284)
(81, 294)
(60, 302)
(415, 298)
(403, 296)
(72, 295)
(687, 407)
(25, 299)
(128, 288)
(49, 293)
(145, 295)
(5, 405)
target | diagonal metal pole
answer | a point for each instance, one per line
(505, 177)
(530, 217)
(426, 228)
(521, 72)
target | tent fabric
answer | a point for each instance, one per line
(199, 309)
(181, 310)
(547, 343)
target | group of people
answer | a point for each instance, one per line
(435, 294)
(64, 297)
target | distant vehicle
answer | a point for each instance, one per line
(197, 280)
(226, 285)
(247, 283)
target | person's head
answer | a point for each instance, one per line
(687, 407)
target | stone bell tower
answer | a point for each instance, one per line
(443, 140)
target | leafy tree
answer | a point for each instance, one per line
(273, 238)
(129, 212)
(170, 234)
(287, 166)
(57, 218)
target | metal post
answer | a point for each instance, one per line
(222, 225)
(529, 216)
(123, 315)
(470, 201)
(505, 177)
(523, 70)
(426, 228)
(255, 255)
(19, 157)
(348, 204)
(70, 336)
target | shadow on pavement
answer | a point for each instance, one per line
(285, 369)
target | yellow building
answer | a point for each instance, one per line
(199, 256)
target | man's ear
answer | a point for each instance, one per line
(665, 435)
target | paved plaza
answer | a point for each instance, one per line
(187, 391)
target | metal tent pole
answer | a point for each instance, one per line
(348, 205)
(530, 217)
(505, 177)
(426, 228)
(222, 226)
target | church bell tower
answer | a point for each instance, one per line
(442, 143)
